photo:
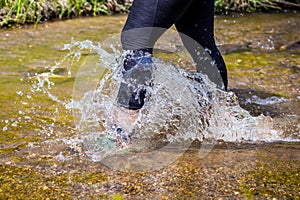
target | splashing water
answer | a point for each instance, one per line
(183, 105)
(266, 101)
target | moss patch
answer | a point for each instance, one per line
(26, 183)
(272, 178)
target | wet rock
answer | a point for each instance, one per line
(295, 45)
(230, 48)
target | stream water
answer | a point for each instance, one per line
(191, 140)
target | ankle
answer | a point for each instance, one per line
(134, 57)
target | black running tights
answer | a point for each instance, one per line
(193, 18)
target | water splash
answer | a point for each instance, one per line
(183, 105)
(266, 101)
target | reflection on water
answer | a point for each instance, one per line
(42, 122)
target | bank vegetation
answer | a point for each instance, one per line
(19, 12)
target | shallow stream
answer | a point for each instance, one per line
(52, 122)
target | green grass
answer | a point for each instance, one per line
(254, 5)
(14, 12)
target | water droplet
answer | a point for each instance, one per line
(5, 128)
(20, 93)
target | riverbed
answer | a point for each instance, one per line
(262, 53)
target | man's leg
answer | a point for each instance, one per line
(139, 35)
(198, 23)
(145, 14)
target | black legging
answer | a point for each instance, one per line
(194, 18)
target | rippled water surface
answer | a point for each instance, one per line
(58, 112)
